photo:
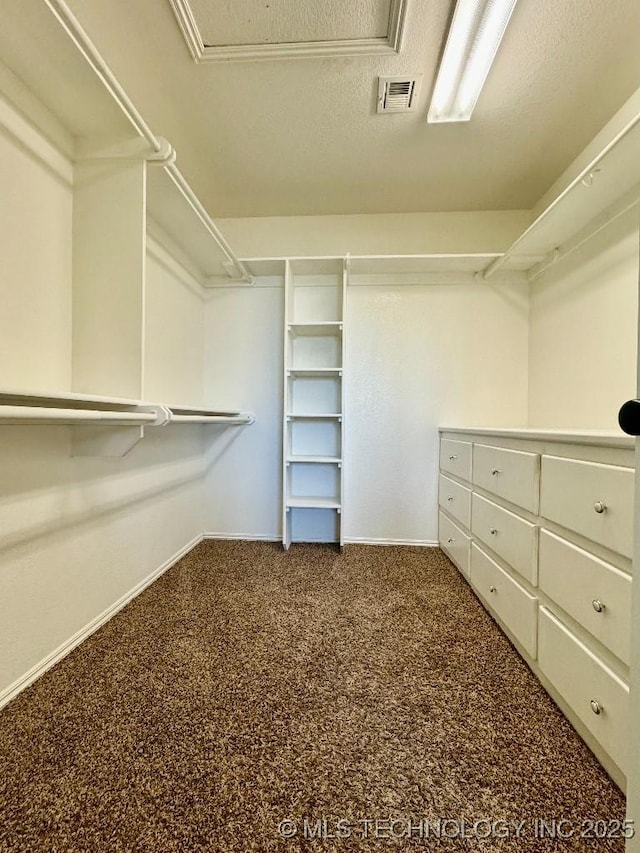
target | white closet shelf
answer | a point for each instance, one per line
(313, 503)
(45, 408)
(314, 416)
(89, 117)
(22, 396)
(172, 205)
(605, 185)
(432, 268)
(315, 329)
(371, 265)
(314, 371)
(322, 460)
(604, 188)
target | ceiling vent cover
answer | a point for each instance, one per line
(398, 94)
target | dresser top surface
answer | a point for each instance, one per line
(605, 438)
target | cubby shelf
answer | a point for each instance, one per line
(313, 502)
(329, 460)
(317, 371)
(315, 329)
(313, 416)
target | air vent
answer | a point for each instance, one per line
(398, 94)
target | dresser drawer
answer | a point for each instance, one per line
(596, 594)
(455, 457)
(513, 605)
(455, 543)
(456, 499)
(511, 537)
(587, 685)
(591, 498)
(512, 474)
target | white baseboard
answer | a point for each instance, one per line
(63, 650)
(363, 540)
(243, 537)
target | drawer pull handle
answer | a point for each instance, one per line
(492, 589)
(450, 498)
(599, 506)
(452, 457)
(493, 531)
(496, 471)
(450, 540)
(597, 605)
(596, 707)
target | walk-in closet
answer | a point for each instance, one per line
(317, 503)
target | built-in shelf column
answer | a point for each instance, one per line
(313, 427)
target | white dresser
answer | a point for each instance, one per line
(541, 525)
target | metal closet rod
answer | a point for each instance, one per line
(213, 419)
(146, 416)
(79, 37)
(51, 415)
(584, 174)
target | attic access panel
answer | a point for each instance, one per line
(215, 30)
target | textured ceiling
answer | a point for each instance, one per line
(301, 136)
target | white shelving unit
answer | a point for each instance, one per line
(106, 309)
(604, 186)
(90, 415)
(313, 422)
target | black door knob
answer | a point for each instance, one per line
(629, 417)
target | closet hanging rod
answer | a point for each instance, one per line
(23, 415)
(79, 37)
(564, 251)
(580, 178)
(209, 224)
(232, 420)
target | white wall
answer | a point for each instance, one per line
(78, 534)
(35, 248)
(375, 234)
(583, 342)
(174, 332)
(419, 357)
(244, 370)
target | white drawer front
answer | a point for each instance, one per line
(455, 543)
(509, 601)
(512, 474)
(593, 499)
(455, 499)
(587, 685)
(596, 594)
(455, 457)
(510, 536)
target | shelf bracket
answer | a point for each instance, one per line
(235, 275)
(135, 149)
(166, 156)
(114, 442)
(104, 442)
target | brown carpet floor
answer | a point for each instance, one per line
(248, 686)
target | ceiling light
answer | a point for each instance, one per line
(474, 37)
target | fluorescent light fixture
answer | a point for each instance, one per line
(476, 31)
